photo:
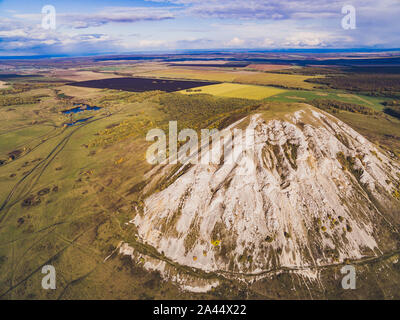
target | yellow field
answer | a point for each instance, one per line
(3, 85)
(234, 90)
(194, 74)
(76, 75)
(80, 92)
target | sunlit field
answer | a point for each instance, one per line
(233, 90)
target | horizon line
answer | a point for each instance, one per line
(196, 51)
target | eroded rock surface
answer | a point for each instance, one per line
(310, 192)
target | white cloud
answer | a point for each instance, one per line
(13, 33)
(151, 43)
(306, 39)
(236, 42)
(239, 24)
(109, 15)
(267, 43)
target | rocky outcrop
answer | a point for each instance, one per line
(309, 192)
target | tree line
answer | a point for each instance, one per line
(387, 85)
(334, 106)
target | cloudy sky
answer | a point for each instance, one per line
(122, 26)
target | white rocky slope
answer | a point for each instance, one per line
(320, 193)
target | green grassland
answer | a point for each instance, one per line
(384, 131)
(234, 90)
(307, 96)
(276, 79)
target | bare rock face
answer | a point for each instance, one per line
(318, 194)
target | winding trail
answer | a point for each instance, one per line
(42, 165)
(23, 187)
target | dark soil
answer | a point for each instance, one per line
(31, 201)
(14, 154)
(141, 84)
(43, 192)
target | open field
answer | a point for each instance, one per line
(133, 69)
(3, 85)
(79, 92)
(276, 79)
(268, 67)
(201, 62)
(244, 77)
(234, 90)
(77, 75)
(197, 74)
(210, 66)
(304, 96)
(141, 84)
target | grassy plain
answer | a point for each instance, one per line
(276, 79)
(306, 96)
(82, 75)
(195, 74)
(268, 67)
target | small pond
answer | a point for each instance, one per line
(81, 108)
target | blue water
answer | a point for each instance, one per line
(78, 121)
(82, 108)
